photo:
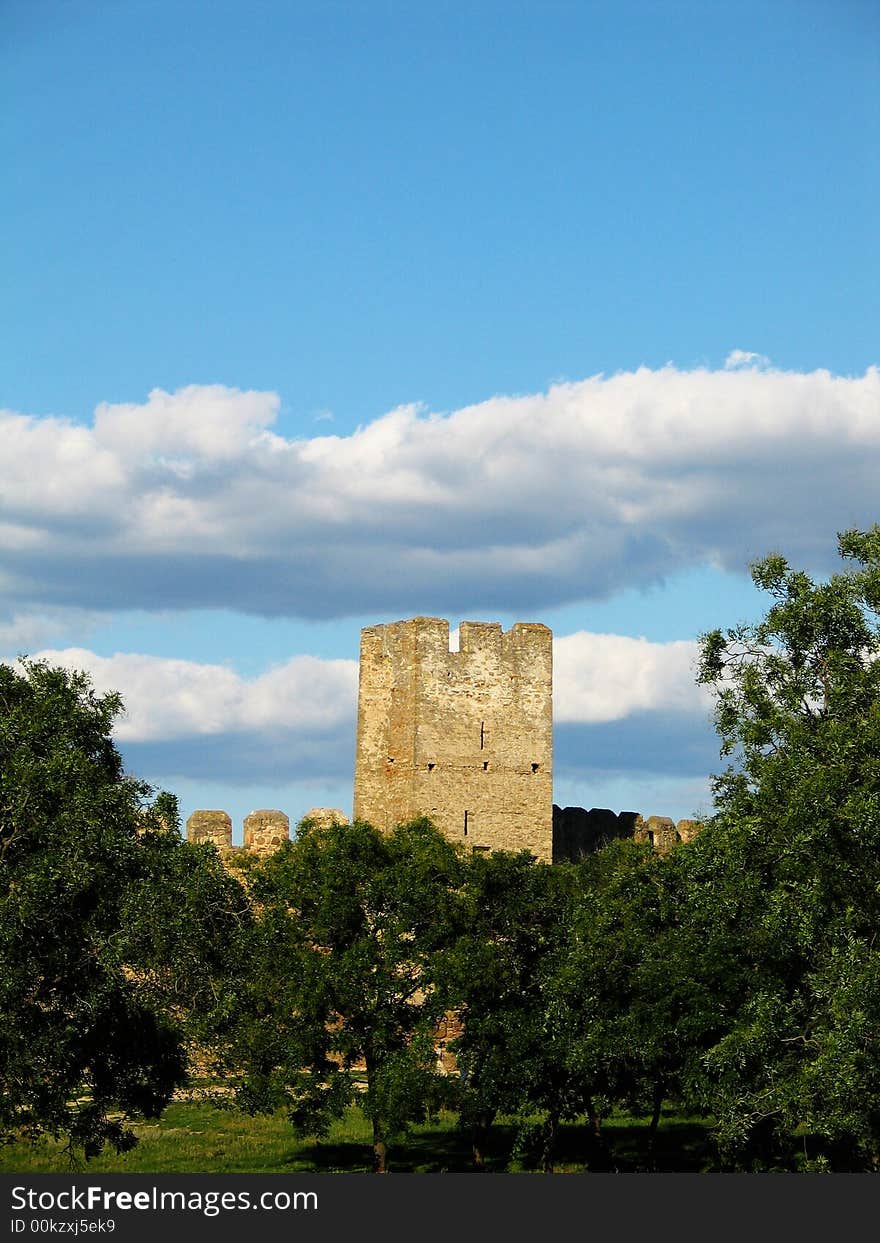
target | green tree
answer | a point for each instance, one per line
(181, 913)
(614, 985)
(569, 984)
(497, 970)
(784, 884)
(90, 1027)
(338, 973)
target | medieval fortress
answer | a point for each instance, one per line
(464, 737)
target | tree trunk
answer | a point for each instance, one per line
(550, 1128)
(380, 1144)
(380, 1149)
(655, 1121)
(480, 1138)
(598, 1158)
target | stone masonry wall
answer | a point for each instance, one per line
(265, 831)
(210, 826)
(578, 832)
(463, 737)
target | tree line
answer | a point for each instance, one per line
(736, 978)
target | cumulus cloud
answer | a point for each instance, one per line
(630, 719)
(618, 703)
(23, 632)
(175, 699)
(193, 500)
(606, 677)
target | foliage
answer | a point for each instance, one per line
(90, 870)
(784, 885)
(338, 972)
(630, 1011)
(513, 919)
(577, 995)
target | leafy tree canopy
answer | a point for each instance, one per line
(784, 884)
(338, 972)
(104, 913)
(513, 920)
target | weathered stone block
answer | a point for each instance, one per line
(688, 830)
(325, 816)
(210, 826)
(265, 831)
(660, 831)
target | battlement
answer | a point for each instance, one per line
(265, 831)
(576, 831)
(428, 638)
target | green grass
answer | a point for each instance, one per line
(198, 1138)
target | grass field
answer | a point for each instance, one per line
(193, 1137)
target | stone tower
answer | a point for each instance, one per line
(464, 737)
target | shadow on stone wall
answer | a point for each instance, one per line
(578, 832)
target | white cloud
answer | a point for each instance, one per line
(208, 423)
(177, 699)
(745, 358)
(24, 632)
(606, 677)
(192, 500)
(631, 728)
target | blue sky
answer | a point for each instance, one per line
(515, 311)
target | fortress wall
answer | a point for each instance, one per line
(265, 831)
(384, 759)
(578, 832)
